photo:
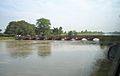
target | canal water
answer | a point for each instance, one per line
(50, 58)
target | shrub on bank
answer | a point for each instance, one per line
(6, 35)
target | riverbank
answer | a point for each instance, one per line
(7, 38)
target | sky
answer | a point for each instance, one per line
(92, 15)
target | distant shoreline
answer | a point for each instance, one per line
(7, 38)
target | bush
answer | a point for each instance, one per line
(6, 35)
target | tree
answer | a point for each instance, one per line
(70, 33)
(75, 33)
(86, 31)
(57, 31)
(60, 30)
(43, 26)
(0, 30)
(20, 28)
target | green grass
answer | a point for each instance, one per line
(7, 38)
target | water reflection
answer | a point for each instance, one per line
(103, 68)
(64, 58)
(44, 50)
(19, 49)
(103, 46)
(25, 48)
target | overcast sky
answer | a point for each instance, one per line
(95, 15)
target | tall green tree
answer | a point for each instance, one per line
(57, 31)
(20, 28)
(43, 26)
(60, 30)
(72, 33)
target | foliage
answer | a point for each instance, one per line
(90, 33)
(56, 31)
(0, 30)
(72, 33)
(20, 28)
(43, 26)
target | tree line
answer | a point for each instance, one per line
(41, 28)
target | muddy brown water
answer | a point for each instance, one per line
(49, 58)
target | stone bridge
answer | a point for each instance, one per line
(80, 37)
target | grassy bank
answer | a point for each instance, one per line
(7, 38)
